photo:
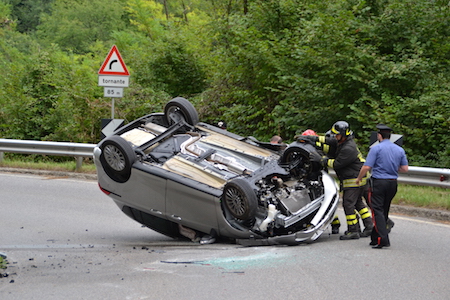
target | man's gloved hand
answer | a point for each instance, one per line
(324, 161)
(306, 138)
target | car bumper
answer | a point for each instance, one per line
(319, 224)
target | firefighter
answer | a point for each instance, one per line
(330, 152)
(347, 161)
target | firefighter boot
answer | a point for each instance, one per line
(368, 227)
(389, 225)
(358, 228)
(351, 234)
(367, 231)
(335, 224)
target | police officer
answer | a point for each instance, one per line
(384, 160)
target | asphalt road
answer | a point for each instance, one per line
(64, 239)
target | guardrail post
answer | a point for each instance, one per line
(1, 157)
(79, 163)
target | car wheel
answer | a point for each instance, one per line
(240, 199)
(117, 158)
(297, 157)
(293, 155)
(180, 109)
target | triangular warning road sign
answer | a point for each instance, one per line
(113, 64)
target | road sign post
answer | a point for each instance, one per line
(112, 108)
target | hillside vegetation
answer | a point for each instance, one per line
(265, 67)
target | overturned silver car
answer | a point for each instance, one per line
(184, 178)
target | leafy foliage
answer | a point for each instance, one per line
(28, 13)
(266, 67)
(75, 25)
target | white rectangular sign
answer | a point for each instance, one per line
(113, 81)
(113, 92)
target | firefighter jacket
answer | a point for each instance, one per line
(345, 158)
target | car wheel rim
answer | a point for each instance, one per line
(175, 114)
(293, 157)
(235, 202)
(114, 157)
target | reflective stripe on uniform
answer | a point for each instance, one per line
(364, 213)
(351, 182)
(361, 158)
(351, 219)
(330, 163)
(336, 221)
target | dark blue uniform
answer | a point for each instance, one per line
(385, 160)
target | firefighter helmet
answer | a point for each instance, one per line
(309, 132)
(342, 128)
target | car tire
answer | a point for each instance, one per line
(180, 108)
(239, 199)
(117, 158)
(298, 156)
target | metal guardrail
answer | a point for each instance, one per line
(77, 150)
(437, 177)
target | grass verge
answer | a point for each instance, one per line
(423, 196)
(69, 166)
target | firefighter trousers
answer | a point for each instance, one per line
(352, 201)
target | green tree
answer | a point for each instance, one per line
(409, 88)
(28, 13)
(265, 66)
(166, 60)
(291, 65)
(5, 14)
(288, 64)
(75, 25)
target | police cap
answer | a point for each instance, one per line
(382, 127)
